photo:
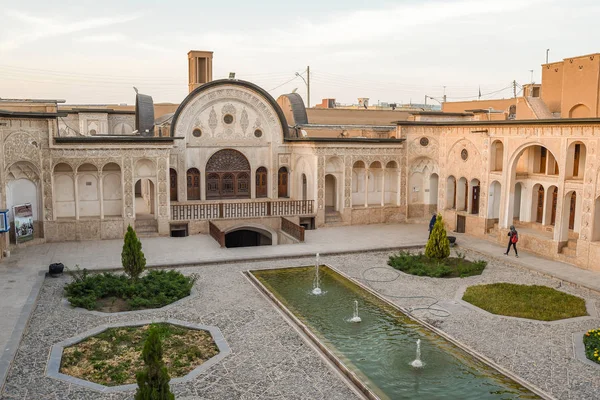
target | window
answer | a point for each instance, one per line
(197, 132)
(228, 119)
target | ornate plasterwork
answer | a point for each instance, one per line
(128, 187)
(347, 181)
(163, 188)
(47, 188)
(22, 170)
(420, 164)
(320, 182)
(241, 103)
(22, 146)
(416, 150)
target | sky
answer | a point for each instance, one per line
(94, 52)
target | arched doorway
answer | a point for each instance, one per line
(282, 182)
(462, 194)
(330, 193)
(554, 200)
(173, 184)
(433, 191)
(494, 201)
(22, 188)
(451, 193)
(248, 237)
(538, 203)
(227, 175)
(304, 187)
(144, 199)
(517, 203)
(572, 207)
(475, 190)
(193, 184)
(261, 182)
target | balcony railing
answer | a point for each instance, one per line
(295, 231)
(229, 210)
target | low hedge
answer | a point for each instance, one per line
(421, 265)
(154, 290)
(591, 340)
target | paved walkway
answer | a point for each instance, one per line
(22, 273)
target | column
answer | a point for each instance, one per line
(76, 183)
(398, 186)
(382, 187)
(366, 187)
(101, 190)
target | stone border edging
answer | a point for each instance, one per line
(9, 352)
(451, 339)
(589, 306)
(65, 304)
(264, 258)
(364, 390)
(524, 267)
(579, 349)
(53, 366)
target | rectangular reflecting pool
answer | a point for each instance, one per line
(379, 350)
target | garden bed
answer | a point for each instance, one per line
(110, 292)
(113, 357)
(450, 267)
(591, 341)
(534, 302)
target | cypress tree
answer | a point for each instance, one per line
(132, 257)
(438, 246)
(153, 380)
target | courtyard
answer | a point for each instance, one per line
(269, 357)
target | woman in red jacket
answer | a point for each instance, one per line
(513, 238)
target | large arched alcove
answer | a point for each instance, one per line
(112, 190)
(64, 191)
(22, 187)
(227, 175)
(334, 168)
(526, 167)
(494, 201)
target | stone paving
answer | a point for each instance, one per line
(269, 358)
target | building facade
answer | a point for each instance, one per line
(235, 163)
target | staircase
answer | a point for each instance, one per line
(570, 250)
(539, 108)
(146, 227)
(333, 218)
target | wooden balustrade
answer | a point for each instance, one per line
(216, 233)
(295, 231)
(229, 210)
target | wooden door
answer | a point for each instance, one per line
(454, 197)
(461, 222)
(540, 205)
(261, 182)
(475, 200)
(576, 160)
(572, 211)
(466, 205)
(282, 182)
(193, 184)
(543, 157)
(173, 180)
(554, 202)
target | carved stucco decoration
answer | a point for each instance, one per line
(320, 181)
(163, 188)
(234, 99)
(22, 146)
(47, 188)
(416, 150)
(348, 181)
(420, 164)
(244, 121)
(22, 170)
(128, 187)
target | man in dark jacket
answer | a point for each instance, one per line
(431, 224)
(513, 238)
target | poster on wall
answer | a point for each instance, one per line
(23, 222)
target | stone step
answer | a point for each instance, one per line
(569, 252)
(572, 244)
(146, 234)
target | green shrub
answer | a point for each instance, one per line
(591, 340)
(153, 380)
(156, 289)
(421, 265)
(438, 245)
(132, 257)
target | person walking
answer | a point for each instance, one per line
(513, 238)
(431, 224)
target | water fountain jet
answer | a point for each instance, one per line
(317, 282)
(355, 318)
(417, 363)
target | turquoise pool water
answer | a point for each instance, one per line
(379, 349)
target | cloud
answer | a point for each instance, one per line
(359, 27)
(110, 38)
(42, 27)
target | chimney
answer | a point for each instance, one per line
(199, 68)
